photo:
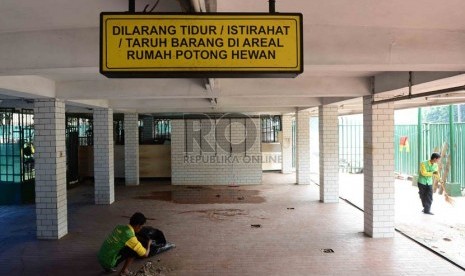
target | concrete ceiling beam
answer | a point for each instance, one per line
(328, 48)
(239, 104)
(390, 48)
(397, 83)
(132, 89)
(27, 87)
(195, 88)
(269, 102)
(297, 87)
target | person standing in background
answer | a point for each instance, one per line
(428, 171)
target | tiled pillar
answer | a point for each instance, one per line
(329, 146)
(131, 149)
(286, 144)
(50, 167)
(303, 147)
(148, 132)
(378, 156)
(103, 156)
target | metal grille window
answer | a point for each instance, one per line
(10, 146)
(118, 131)
(270, 126)
(351, 143)
(27, 140)
(140, 128)
(162, 128)
(72, 149)
(16, 146)
(86, 132)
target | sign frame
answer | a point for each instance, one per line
(226, 72)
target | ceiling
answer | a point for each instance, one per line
(50, 48)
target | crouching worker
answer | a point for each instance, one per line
(123, 245)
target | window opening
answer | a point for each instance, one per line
(270, 127)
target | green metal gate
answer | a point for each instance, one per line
(16, 156)
(351, 144)
(79, 132)
(431, 137)
(406, 157)
(72, 150)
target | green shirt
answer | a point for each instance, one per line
(425, 176)
(122, 235)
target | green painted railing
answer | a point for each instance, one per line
(434, 136)
(406, 159)
(350, 144)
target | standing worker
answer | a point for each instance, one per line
(428, 171)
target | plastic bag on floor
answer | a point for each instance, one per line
(159, 243)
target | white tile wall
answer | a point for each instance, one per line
(286, 144)
(329, 158)
(131, 149)
(303, 147)
(214, 163)
(378, 126)
(50, 162)
(103, 156)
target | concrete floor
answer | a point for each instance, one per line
(211, 227)
(444, 232)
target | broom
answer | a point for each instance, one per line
(448, 198)
(444, 148)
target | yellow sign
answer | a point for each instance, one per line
(153, 45)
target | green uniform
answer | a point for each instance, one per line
(122, 235)
(425, 184)
(425, 176)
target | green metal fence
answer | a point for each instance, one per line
(458, 175)
(434, 136)
(16, 156)
(420, 144)
(351, 144)
(406, 157)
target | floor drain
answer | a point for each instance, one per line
(327, 250)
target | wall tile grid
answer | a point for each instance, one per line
(103, 156)
(378, 168)
(50, 164)
(303, 147)
(329, 158)
(214, 160)
(131, 149)
(286, 148)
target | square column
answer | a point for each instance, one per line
(286, 144)
(303, 147)
(103, 156)
(378, 168)
(50, 167)
(148, 132)
(131, 149)
(329, 153)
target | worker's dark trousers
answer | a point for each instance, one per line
(426, 196)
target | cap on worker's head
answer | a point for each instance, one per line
(137, 219)
(435, 155)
